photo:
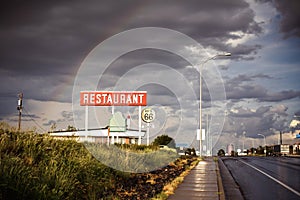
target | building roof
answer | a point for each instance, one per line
(98, 133)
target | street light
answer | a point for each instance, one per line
(200, 98)
(264, 140)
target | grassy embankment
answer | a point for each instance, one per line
(35, 166)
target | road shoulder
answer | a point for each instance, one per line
(231, 189)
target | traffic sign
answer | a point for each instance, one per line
(148, 115)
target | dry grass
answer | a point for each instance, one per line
(170, 187)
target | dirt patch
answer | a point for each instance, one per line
(148, 185)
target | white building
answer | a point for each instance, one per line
(118, 131)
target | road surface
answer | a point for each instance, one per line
(263, 178)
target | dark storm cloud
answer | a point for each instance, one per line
(140, 57)
(289, 16)
(42, 41)
(56, 35)
(281, 96)
(243, 86)
(297, 113)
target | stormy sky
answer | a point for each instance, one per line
(44, 44)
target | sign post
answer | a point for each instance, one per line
(148, 115)
(86, 128)
(140, 125)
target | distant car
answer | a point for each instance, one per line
(181, 153)
(190, 151)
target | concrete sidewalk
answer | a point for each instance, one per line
(200, 183)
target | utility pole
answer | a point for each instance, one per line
(280, 137)
(20, 106)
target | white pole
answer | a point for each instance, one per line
(265, 151)
(86, 118)
(108, 132)
(207, 136)
(200, 112)
(209, 142)
(200, 99)
(148, 130)
(86, 121)
(112, 138)
(244, 133)
(140, 125)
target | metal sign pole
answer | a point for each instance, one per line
(140, 125)
(86, 121)
(148, 130)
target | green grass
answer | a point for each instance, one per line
(34, 166)
(132, 159)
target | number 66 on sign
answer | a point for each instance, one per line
(148, 115)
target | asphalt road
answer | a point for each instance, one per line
(263, 178)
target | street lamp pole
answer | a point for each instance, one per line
(264, 138)
(200, 98)
(244, 133)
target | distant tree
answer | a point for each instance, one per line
(71, 128)
(260, 150)
(221, 152)
(253, 150)
(164, 140)
(232, 153)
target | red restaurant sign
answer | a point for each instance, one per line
(113, 98)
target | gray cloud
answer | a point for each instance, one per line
(281, 96)
(290, 22)
(243, 86)
(44, 42)
(66, 116)
(289, 16)
(56, 35)
(264, 119)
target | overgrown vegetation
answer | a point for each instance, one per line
(132, 158)
(35, 166)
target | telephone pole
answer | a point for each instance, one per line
(20, 106)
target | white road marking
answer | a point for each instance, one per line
(274, 179)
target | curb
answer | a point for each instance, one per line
(219, 181)
(232, 190)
